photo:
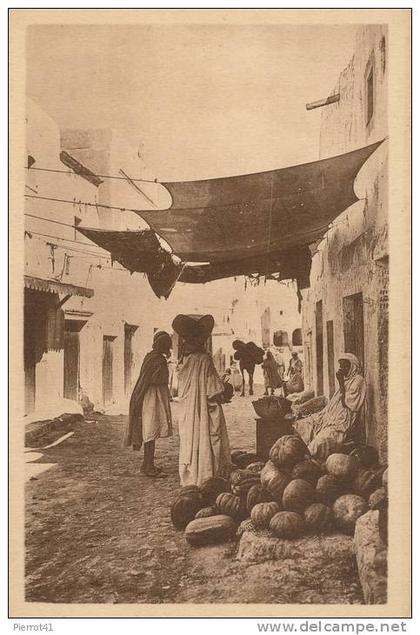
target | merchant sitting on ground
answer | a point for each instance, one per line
(326, 430)
(150, 412)
(204, 444)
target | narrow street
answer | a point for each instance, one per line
(98, 531)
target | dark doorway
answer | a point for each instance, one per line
(129, 330)
(107, 369)
(72, 358)
(35, 340)
(353, 326)
(319, 348)
(331, 359)
(297, 337)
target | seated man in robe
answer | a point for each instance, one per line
(326, 430)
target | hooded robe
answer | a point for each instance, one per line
(333, 425)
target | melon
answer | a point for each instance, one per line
(319, 518)
(367, 455)
(257, 494)
(347, 509)
(277, 485)
(344, 467)
(231, 505)
(206, 512)
(262, 513)
(287, 451)
(212, 487)
(328, 489)
(268, 472)
(242, 481)
(207, 531)
(287, 525)
(366, 482)
(298, 495)
(309, 469)
(255, 467)
(185, 507)
(378, 499)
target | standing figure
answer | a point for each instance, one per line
(294, 384)
(204, 444)
(295, 364)
(331, 427)
(150, 413)
(272, 378)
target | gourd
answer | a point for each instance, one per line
(298, 495)
(185, 507)
(277, 485)
(257, 494)
(347, 509)
(287, 525)
(231, 505)
(342, 466)
(262, 513)
(319, 518)
(309, 469)
(328, 489)
(206, 512)
(212, 487)
(207, 531)
(287, 451)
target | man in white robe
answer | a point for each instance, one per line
(204, 444)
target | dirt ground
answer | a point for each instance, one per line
(99, 531)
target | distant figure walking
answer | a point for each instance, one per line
(204, 444)
(272, 378)
(248, 355)
(150, 413)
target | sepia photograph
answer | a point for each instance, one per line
(210, 280)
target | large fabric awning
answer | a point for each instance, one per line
(254, 224)
(227, 219)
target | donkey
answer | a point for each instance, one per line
(248, 355)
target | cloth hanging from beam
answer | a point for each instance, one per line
(227, 219)
(139, 251)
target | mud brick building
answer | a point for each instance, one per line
(346, 306)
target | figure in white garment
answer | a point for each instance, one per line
(204, 444)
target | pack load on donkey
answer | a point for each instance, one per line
(248, 355)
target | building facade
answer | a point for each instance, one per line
(87, 322)
(346, 307)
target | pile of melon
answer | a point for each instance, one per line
(289, 496)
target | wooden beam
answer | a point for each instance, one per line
(332, 99)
